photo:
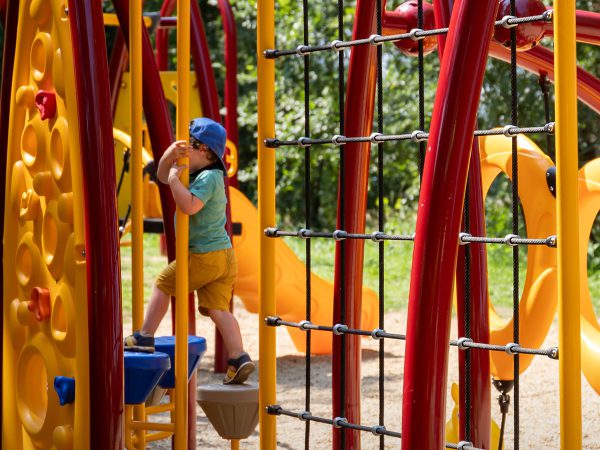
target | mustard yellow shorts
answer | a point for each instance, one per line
(211, 274)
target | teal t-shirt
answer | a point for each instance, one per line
(207, 226)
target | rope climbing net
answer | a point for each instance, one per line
(341, 329)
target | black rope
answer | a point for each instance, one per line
(381, 213)
(307, 189)
(545, 87)
(125, 168)
(415, 136)
(467, 315)
(377, 39)
(125, 219)
(341, 94)
(515, 214)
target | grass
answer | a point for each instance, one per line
(398, 260)
(154, 262)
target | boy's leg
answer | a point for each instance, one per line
(156, 311)
(229, 328)
(143, 340)
(240, 363)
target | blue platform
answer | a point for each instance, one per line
(166, 344)
(142, 373)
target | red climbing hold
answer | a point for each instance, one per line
(39, 303)
(45, 101)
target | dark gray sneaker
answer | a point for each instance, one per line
(139, 343)
(239, 369)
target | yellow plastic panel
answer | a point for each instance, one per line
(44, 241)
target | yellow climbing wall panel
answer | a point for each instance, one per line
(45, 293)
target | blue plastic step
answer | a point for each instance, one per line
(142, 373)
(166, 344)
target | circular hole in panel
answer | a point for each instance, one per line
(18, 186)
(32, 389)
(63, 319)
(59, 151)
(58, 74)
(49, 237)
(41, 57)
(24, 266)
(59, 319)
(29, 145)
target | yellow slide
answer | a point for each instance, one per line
(291, 283)
(539, 298)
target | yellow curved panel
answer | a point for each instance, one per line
(589, 206)
(44, 241)
(538, 300)
(290, 282)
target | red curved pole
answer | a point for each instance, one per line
(231, 87)
(360, 95)
(162, 36)
(438, 224)
(11, 18)
(588, 27)
(540, 59)
(205, 76)
(116, 66)
(102, 242)
(479, 413)
(536, 60)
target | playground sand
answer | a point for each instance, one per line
(539, 396)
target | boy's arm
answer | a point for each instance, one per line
(187, 202)
(176, 150)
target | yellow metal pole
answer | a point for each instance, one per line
(137, 219)
(182, 232)
(265, 28)
(568, 224)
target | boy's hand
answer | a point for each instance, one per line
(175, 172)
(181, 149)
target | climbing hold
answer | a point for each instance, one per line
(39, 303)
(65, 388)
(45, 101)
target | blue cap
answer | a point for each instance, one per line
(212, 134)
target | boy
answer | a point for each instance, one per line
(212, 263)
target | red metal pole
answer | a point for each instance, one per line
(102, 242)
(479, 413)
(360, 95)
(438, 224)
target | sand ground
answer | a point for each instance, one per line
(539, 399)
